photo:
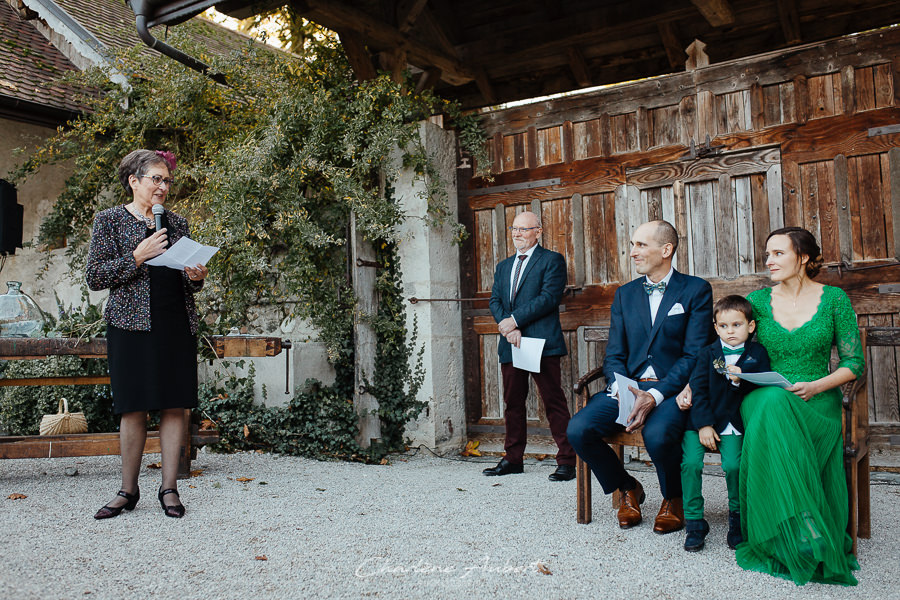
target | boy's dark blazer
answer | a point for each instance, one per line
(715, 401)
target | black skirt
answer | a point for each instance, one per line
(156, 369)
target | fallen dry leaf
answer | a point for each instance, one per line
(207, 424)
(245, 479)
(193, 487)
(471, 449)
(17, 496)
(196, 472)
(246, 431)
(497, 485)
(543, 569)
(155, 465)
(262, 557)
(384, 461)
(542, 456)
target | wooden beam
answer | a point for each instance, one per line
(485, 87)
(340, 16)
(428, 79)
(696, 56)
(398, 64)
(716, 12)
(579, 66)
(789, 16)
(410, 15)
(357, 54)
(671, 43)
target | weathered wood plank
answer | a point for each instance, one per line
(653, 199)
(761, 223)
(76, 380)
(809, 200)
(532, 143)
(865, 88)
(726, 249)
(883, 365)
(587, 137)
(853, 186)
(643, 128)
(871, 207)
(72, 445)
(550, 145)
(788, 102)
(492, 384)
(687, 114)
(734, 164)
(894, 158)
(611, 247)
(771, 105)
(829, 235)
(706, 115)
(842, 205)
(607, 135)
(757, 107)
(792, 203)
(801, 99)
(623, 231)
(884, 85)
(576, 227)
(721, 107)
(886, 208)
(703, 233)
(568, 142)
(683, 256)
(743, 216)
(484, 249)
(14, 347)
(848, 89)
(775, 191)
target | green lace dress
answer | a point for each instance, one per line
(793, 492)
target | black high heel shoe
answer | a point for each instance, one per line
(176, 511)
(108, 512)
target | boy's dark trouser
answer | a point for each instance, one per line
(692, 471)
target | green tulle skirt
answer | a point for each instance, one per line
(793, 491)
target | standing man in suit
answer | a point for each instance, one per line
(525, 301)
(658, 324)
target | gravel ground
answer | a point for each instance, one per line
(421, 527)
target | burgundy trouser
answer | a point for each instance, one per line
(515, 391)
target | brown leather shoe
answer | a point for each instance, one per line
(670, 517)
(630, 508)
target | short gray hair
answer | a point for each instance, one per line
(137, 163)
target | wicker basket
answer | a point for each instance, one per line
(63, 422)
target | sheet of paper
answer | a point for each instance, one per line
(626, 398)
(528, 355)
(767, 378)
(184, 253)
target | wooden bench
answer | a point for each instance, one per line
(855, 431)
(104, 444)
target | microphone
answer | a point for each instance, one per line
(158, 211)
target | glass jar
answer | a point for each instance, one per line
(20, 316)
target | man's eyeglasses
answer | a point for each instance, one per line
(158, 180)
(522, 229)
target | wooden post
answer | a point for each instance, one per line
(362, 259)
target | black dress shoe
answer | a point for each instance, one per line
(504, 467)
(563, 473)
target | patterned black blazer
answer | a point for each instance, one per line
(111, 265)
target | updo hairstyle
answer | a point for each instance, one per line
(137, 163)
(803, 242)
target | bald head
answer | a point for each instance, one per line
(526, 229)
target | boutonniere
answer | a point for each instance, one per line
(720, 366)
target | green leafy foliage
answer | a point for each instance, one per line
(271, 169)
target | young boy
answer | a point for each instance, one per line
(715, 417)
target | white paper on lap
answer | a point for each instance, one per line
(528, 355)
(184, 253)
(626, 398)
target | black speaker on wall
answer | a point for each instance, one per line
(11, 215)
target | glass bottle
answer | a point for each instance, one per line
(20, 316)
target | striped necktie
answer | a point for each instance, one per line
(519, 264)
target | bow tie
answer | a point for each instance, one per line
(650, 287)
(727, 351)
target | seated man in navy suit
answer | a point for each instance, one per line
(658, 324)
(525, 302)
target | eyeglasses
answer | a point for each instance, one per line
(522, 229)
(158, 180)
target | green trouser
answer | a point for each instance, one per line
(692, 471)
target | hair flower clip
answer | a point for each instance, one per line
(168, 157)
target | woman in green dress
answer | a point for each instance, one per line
(793, 491)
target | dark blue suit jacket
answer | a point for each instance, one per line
(536, 307)
(715, 401)
(671, 344)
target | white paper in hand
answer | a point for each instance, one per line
(766, 378)
(184, 253)
(528, 355)
(626, 398)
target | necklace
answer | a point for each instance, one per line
(146, 220)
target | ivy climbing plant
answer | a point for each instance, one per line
(270, 169)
